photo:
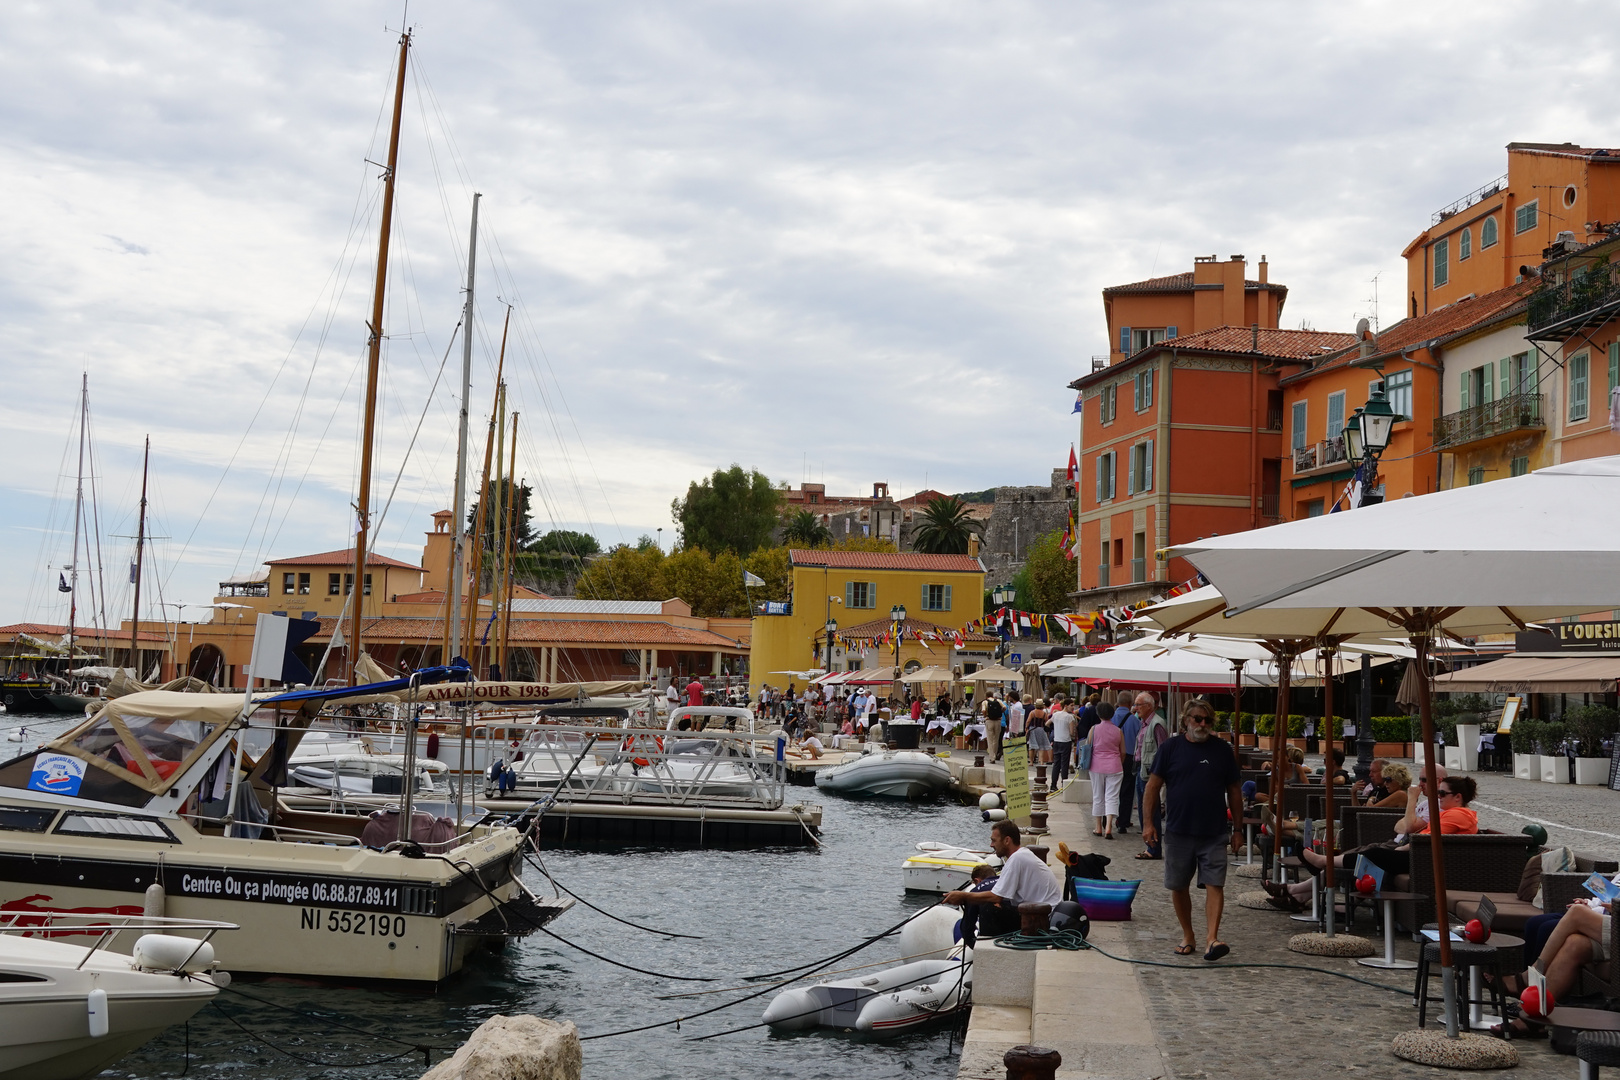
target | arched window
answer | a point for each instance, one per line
(1487, 233)
(1465, 244)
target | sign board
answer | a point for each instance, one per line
(1574, 637)
(1510, 713)
(1015, 763)
(1614, 767)
(1015, 659)
(62, 775)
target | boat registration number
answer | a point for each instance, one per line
(367, 923)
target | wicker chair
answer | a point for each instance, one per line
(1557, 890)
(1482, 863)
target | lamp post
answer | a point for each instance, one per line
(1004, 595)
(832, 628)
(1366, 436)
(897, 615)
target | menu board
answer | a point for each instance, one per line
(1614, 766)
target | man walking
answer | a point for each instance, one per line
(992, 725)
(1132, 730)
(1200, 773)
(1153, 735)
(1063, 729)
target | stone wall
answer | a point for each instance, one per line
(1038, 510)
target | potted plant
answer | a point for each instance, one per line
(1554, 762)
(959, 736)
(1589, 726)
(1526, 736)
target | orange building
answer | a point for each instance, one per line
(1574, 323)
(1484, 241)
(1407, 361)
(1180, 440)
(1144, 313)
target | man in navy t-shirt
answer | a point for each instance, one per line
(1197, 774)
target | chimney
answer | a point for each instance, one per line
(1254, 342)
(1365, 335)
(973, 546)
(1262, 270)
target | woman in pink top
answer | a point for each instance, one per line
(1107, 769)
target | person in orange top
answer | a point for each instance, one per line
(1456, 792)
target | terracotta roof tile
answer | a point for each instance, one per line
(1180, 283)
(885, 560)
(83, 633)
(1279, 343)
(609, 633)
(342, 557)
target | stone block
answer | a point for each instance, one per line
(1003, 976)
(514, 1048)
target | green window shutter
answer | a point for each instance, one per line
(1147, 466)
(849, 594)
(871, 594)
(947, 598)
(1507, 379)
(1489, 383)
(1100, 459)
(1125, 340)
(1614, 365)
(925, 606)
(1130, 473)
(1462, 401)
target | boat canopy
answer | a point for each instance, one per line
(148, 739)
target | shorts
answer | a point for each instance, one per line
(1205, 854)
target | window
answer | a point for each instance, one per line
(1398, 390)
(1578, 366)
(1132, 341)
(1524, 217)
(1478, 386)
(1465, 244)
(287, 583)
(1119, 552)
(1476, 475)
(365, 589)
(1520, 466)
(1107, 403)
(1144, 390)
(1519, 375)
(936, 597)
(348, 584)
(1141, 468)
(1442, 256)
(1570, 195)
(1298, 427)
(1139, 557)
(1335, 417)
(860, 594)
(1614, 365)
(303, 584)
(1105, 476)
(1311, 509)
(334, 584)
(1487, 233)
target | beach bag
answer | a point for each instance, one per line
(1085, 754)
(1106, 901)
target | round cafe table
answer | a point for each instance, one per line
(1388, 960)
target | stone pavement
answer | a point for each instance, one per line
(1223, 1020)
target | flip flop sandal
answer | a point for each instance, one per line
(1147, 855)
(1186, 950)
(1216, 951)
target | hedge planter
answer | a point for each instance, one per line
(1526, 767)
(1392, 749)
(1554, 768)
(1591, 770)
(1248, 740)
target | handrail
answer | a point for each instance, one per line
(110, 925)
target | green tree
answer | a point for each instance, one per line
(733, 510)
(1048, 577)
(624, 573)
(865, 543)
(770, 565)
(805, 529)
(945, 527)
(577, 545)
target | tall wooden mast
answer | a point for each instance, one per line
(140, 549)
(458, 545)
(507, 577)
(362, 504)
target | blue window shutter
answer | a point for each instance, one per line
(1169, 332)
(1130, 472)
(1136, 390)
(1147, 467)
(1125, 340)
(947, 598)
(1100, 459)
(1148, 403)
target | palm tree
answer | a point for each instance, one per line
(945, 527)
(806, 528)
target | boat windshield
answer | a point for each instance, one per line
(150, 747)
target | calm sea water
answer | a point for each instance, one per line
(756, 911)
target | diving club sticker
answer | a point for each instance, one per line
(57, 773)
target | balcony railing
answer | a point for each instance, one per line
(1563, 307)
(1479, 194)
(1498, 417)
(1271, 506)
(1304, 458)
(1320, 455)
(1138, 571)
(1102, 576)
(1274, 418)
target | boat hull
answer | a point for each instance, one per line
(47, 1038)
(898, 774)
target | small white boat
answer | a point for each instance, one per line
(700, 767)
(883, 1002)
(367, 774)
(69, 1010)
(901, 774)
(939, 868)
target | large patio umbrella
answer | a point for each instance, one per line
(933, 674)
(1488, 558)
(994, 673)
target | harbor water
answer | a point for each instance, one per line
(755, 911)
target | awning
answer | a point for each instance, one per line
(1536, 675)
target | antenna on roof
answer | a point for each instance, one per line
(1374, 301)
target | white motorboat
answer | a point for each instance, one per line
(704, 717)
(367, 774)
(704, 767)
(560, 757)
(901, 774)
(148, 792)
(940, 868)
(69, 1010)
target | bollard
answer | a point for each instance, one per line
(978, 761)
(1040, 851)
(1040, 774)
(1037, 820)
(1034, 918)
(1031, 1063)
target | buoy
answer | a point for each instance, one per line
(1533, 1004)
(155, 900)
(990, 800)
(165, 952)
(995, 815)
(97, 1003)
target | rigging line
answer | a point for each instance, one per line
(383, 515)
(615, 918)
(325, 1018)
(48, 535)
(307, 1059)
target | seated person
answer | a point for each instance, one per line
(1294, 772)
(1337, 772)
(1575, 938)
(1456, 792)
(1024, 879)
(1389, 788)
(811, 745)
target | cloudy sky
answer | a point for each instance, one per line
(842, 241)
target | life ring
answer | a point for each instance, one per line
(641, 762)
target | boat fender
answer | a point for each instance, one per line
(97, 1004)
(166, 952)
(155, 899)
(995, 815)
(990, 800)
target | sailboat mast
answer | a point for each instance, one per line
(507, 575)
(140, 548)
(483, 506)
(362, 505)
(498, 532)
(458, 547)
(78, 510)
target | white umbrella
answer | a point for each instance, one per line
(934, 674)
(995, 673)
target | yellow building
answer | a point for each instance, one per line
(857, 590)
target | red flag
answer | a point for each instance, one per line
(1074, 466)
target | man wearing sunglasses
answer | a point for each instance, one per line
(1197, 775)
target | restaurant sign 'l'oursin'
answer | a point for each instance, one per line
(1573, 637)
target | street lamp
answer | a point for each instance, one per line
(897, 615)
(1366, 436)
(832, 628)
